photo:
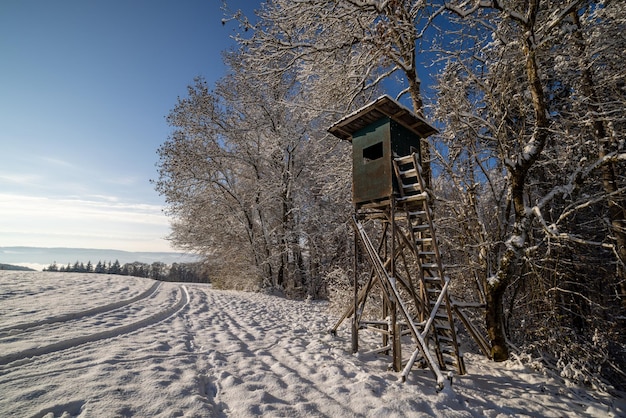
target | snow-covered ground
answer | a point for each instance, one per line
(114, 346)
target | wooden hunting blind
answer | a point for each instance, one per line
(405, 295)
(380, 131)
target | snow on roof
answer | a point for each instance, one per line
(382, 107)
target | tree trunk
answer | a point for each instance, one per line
(519, 172)
(494, 318)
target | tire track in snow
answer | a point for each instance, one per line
(114, 332)
(89, 312)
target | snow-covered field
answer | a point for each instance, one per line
(114, 346)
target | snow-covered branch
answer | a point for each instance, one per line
(466, 8)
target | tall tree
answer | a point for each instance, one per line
(237, 174)
(600, 87)
(518, 104)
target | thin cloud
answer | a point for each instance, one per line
(106, 198)
(20, 179)
(77, 209)
(125, 181)
(97, 221)
(56, 162)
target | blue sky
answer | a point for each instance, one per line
(84, 90)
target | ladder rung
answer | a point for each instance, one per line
(417, 214)
(407, 159)
(414, 198)
(430, 265)
(441, 314)
(413, 186)
(449, 351)
(427, 254)
(408, 173)
(421, 227)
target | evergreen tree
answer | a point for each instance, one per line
(116, 268)
(52, 267)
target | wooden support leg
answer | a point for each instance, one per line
(355, 335)
(355, 316)
(397, 343)
(385, 327)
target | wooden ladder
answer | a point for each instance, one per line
(439, 326)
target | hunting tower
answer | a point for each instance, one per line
(403, 296)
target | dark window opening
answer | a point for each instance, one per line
(373, 152)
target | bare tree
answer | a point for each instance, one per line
(217, 174)
(344, 49)
(521, 116)
(241, 177)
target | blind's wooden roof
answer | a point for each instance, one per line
(382, 107)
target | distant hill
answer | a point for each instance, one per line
(12, 267)
(42, 256)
